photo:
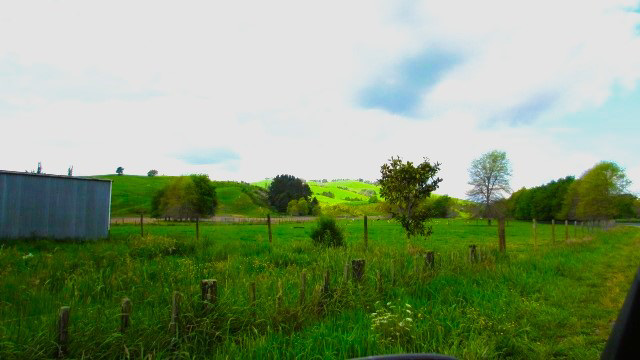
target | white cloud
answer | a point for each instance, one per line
(276, 82)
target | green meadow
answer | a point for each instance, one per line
(551, 299)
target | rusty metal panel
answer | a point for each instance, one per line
(60, 207)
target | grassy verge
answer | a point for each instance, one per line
(553, 301)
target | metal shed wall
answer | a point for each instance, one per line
(59, 207)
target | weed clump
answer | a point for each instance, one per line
(327, 233)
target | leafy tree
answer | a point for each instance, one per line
(441, 207)
(303, 207)
(285, 188)
(120, 170)
(314, 207)
(597, 190)
(152, 173)
(489, 179)
(292, 208)
(405, 187)
(185, 197)
(373, 199)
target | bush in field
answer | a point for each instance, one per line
(328, 194)
(327, 233)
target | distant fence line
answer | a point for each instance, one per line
(233, 220)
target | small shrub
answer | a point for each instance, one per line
(328, 194)
(327, 233)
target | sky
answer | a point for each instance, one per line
(247, 90)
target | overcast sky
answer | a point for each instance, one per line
(245, 90)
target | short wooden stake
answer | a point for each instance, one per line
(252, 295)
(553, 230)
(501, 235)
(303, 286)
(575, 229)
(566, 230)
(345, 272)
(279, 296)
(393, 274)
(141, 225)
(269, 227)
(326, 286)
(64, 318)
(473, 255)
(366, 233)
(429, 260)
(357, 267)
(197, 228)
(125, 314)
(535, 233)
(175, 313)
(209, 289)
(379, 281)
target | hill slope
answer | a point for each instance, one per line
(131, 194)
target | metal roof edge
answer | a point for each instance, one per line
(53, 176)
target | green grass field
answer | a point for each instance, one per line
(554, 300)
(132, 194)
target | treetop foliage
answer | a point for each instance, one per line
(285, 188)
(598, 194)
(405, 187)
(186, 197)
(489, 177)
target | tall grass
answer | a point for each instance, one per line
(556, 300)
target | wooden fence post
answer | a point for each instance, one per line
(269, 227)
(279, 296)
(566, 230)
(535, 233)
(125, 314)
(64, 318)
(473, 255)
(429, 260)
(175, 313)
(326, 286)
(252, 296)
(366, 233)
(575, 229)
(378, 281)
(303, 286)
(345, 272)
(393, 274)
(553, 230)
(357, 267)
(209, 289)
(141, 225)
(501, 235)
(197, 228)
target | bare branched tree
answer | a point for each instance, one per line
(489, 179)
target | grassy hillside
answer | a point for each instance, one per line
(131, 194)
(343, 189)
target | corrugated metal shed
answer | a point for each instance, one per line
(53, 206)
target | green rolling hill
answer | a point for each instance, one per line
(131, 194)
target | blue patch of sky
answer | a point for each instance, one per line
(529, 110)
(208, 156)
(401, 90)
(615, 124)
